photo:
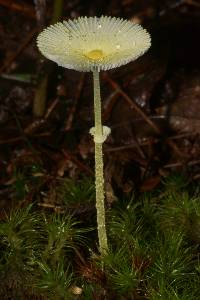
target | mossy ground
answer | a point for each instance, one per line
(153, 240)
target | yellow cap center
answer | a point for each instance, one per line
(95, 54)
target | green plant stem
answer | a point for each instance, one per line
(97, 105)
(39, 103)
(57, 10)
(99, 178)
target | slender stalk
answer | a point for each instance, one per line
(97, 105)
(99, 178)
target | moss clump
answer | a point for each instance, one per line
(154, 251)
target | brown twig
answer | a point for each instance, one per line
(9, 61)
(70, 156)
(79, 89)
(131, 145)
(11, 140)
(173, 145)
(40, 98)
(180, 164)
(57, 208)
(136, 107)
(39, 122)
(132, 104)
(183, 135)
(109, 104)
(51, 108)
(34, 126)
(23, 8)
(193, 3)
(20, 138)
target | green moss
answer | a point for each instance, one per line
(153, 241)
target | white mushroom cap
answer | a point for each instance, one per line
(91, 43)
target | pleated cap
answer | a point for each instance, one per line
(91, 43)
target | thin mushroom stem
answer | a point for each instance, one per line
(97, 104)
(100, 133)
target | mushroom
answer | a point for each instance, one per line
(92, 44)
